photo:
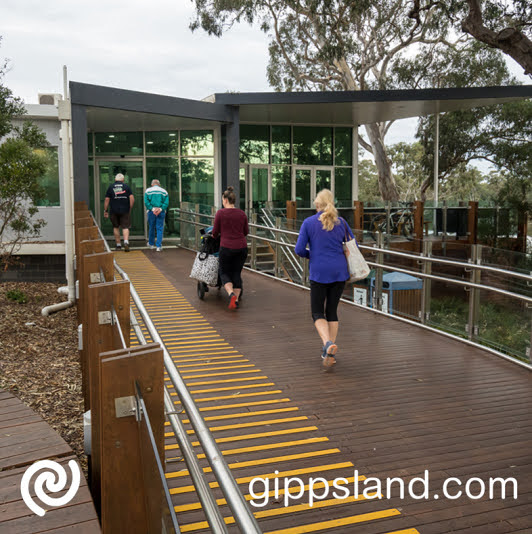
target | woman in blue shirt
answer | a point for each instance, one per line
(324, 233)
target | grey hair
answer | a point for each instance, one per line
(155, 182)
(120, 177)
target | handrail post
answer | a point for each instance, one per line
(358, 218)
(305, 271)
(131, 492)
(253, 241)
(427, 284)
(472, 222)
(444, 228)
(379, 258)
(291, 213)
(278, 249)
(196, 227)
(474, 293)
(102, 298)
(419, 212)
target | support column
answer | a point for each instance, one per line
(80, 153)
(354, 172)
(231, 152)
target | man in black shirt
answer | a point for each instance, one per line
(118, 202)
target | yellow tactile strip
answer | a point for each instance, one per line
(218, 375)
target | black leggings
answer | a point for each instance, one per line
(325, 296)
(231, 263)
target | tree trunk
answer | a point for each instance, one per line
(387, 185)
(510, 40)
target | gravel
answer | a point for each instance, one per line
(39, 361)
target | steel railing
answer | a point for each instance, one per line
(474, 267)
(243, 516)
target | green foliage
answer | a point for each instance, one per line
(22, 164)
(17, 296)
(502, 327)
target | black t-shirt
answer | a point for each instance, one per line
(119, 194)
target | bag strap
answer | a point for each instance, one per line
(346, 233)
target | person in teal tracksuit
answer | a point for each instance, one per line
(156, 201)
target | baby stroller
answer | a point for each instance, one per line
(209, 245)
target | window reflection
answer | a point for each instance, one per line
(254, 143)
(162, 143)
(312, 145)
(119, 143)
(197, 180)
(50, 180)
(197, 143)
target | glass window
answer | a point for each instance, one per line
(166, 170)
(281, 185)
(91, 186)
(281, 144)
(342, 186)
(162, 143)
(343, 146)
(254, 144)
(90, 144)
(197, 143)
(50, 180)
(119, 143)
(312, 145)
(197, 180)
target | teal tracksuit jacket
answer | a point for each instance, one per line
(156, 197)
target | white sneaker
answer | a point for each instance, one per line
(159, 249)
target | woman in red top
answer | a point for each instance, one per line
(231, 224)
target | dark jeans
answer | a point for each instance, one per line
(325, 296)
(231, 263)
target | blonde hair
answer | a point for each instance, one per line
(324, 202)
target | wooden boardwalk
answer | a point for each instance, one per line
(24, 439)
(401, 401)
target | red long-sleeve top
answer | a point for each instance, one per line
(231, 224)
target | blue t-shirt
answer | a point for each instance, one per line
(326, 254)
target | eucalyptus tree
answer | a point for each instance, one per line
(502, 24)
(351, 45)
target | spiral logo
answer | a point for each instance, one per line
(53, 471)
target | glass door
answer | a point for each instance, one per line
(259, 181)
(132, 170)
(243, 187)
(301, 186)
(323, 179)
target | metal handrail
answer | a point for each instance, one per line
(375, 249)
(243, 516)
(292, 259)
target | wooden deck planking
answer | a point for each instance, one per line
(400, 401)
(25, 439)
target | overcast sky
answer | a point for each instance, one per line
(143, 45)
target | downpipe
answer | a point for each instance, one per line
(65, 117)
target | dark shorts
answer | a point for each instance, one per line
(120, 220)
(325, 298)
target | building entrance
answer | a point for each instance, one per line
(132, 169)
(307, 181)
(255, 187)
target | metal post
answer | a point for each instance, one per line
(388, 219)
(424, 313)
(278, 249)
(444, 228)
(474, 293)
(196, 227)
(377, 291)
(253, 242)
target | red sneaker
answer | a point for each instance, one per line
(232, 302)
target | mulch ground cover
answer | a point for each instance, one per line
(39, 360)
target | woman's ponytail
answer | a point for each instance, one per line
(324, 202)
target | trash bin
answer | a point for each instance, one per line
(401, 294)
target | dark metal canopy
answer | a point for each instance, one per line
(363, 107)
